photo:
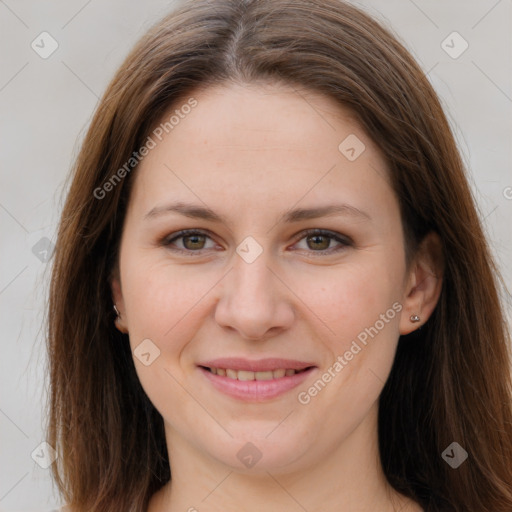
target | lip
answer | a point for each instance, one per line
(260, 365)
(256, 390)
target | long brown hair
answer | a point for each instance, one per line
(451, 380)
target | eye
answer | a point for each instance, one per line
(321, 241)
(188, 240)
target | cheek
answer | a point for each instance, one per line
(347, 299)
(359, 308)
(166, 304)
(360, 313)
(163, 301)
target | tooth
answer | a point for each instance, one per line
(232, 374)
(261, 375)
(245, 375)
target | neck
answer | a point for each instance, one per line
(348, 478)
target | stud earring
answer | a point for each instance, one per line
(117, 311)
(414, 318)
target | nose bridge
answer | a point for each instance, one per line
(252, 279)
(252, 284)
(253, 301)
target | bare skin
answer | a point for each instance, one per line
(251, 153)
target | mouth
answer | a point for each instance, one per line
(246, 375)
(255, 381)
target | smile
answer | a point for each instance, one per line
(246, 375)
(255, 381)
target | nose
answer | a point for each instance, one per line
(254, 301)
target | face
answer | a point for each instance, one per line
(292, 270)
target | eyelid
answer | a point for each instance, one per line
(167, 240)
(344, 240)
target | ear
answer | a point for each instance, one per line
(117, 297)
(424, 283)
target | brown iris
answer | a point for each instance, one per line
(320, 242)
(194, 241)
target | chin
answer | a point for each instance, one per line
(259, 453)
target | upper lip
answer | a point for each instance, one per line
(260, 365)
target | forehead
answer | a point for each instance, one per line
(263, 117)
(258, 144)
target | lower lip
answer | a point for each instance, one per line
(256, 390)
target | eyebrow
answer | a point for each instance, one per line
(294, 215)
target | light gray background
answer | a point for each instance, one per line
(45, 105)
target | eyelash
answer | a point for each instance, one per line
(343, 240)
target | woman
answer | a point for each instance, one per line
(271, 289)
